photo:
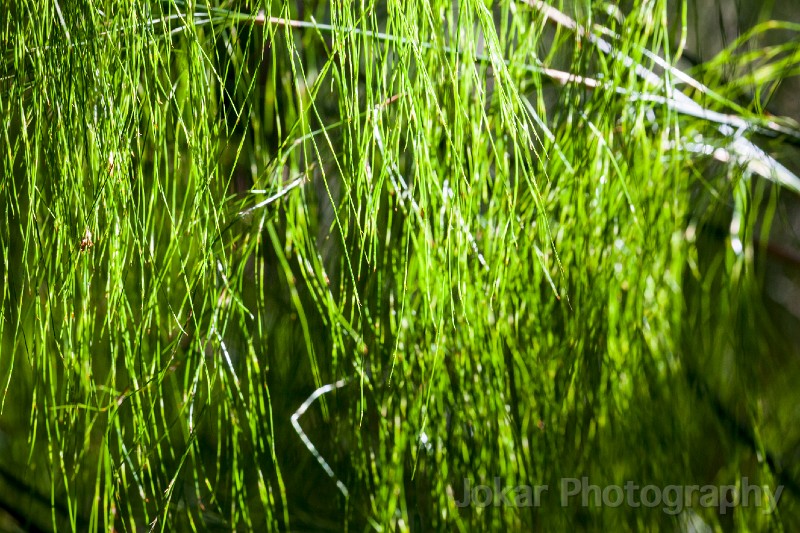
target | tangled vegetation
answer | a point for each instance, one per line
(302, 266)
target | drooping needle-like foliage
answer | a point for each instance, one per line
(306, 266)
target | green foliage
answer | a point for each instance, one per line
(487, 236)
